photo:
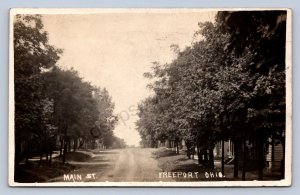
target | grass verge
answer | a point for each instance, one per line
(33, 172)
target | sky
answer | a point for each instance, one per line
(113, 50)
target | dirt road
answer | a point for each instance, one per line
(130, 164)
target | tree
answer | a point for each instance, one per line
(32, 56)
(75, 108)
(264, 36)
(52, 103)
(228, 85)
(106, 119)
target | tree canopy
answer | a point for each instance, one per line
(228, 85)
(54, 105)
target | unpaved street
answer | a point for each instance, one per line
(130, 164)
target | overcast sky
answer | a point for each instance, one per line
(113, 50)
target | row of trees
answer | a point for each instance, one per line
(228, 85)
(54, 108)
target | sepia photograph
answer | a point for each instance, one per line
(150, 97)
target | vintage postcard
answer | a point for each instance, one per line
(150, 97)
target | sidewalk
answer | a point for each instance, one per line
(55, 155)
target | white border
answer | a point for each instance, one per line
(288, 149)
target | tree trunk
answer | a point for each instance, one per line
(273, 150)
(205, 156)
(260, 158)
(41, 157)
(223, 158)
(282, 166)
(75, 145)
(50, 160)
(27, 160)
(17, 158)
(177, 147)
(65, 151)
(27, 154)
(47, 151)
(211, 158)
(66, 139)
(199, 154)
(17, 154)
(236, 160)
(244, 160)
(69, 145)
(61, 146)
